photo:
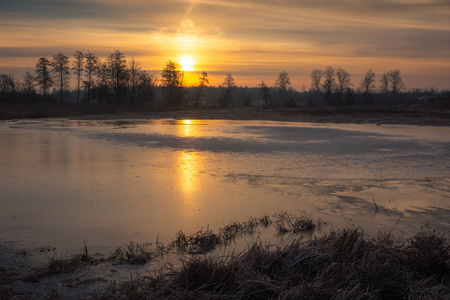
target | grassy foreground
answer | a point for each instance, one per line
(343, 264)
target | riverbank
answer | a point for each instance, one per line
(350, 115)
(343, 264)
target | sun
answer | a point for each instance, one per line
(187, 63)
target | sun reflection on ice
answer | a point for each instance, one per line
(188, 128)
(189, 164)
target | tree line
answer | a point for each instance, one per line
(118, 80)
(113, 80)
(337, 87)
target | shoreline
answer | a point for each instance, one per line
(282, 115)
(125, 272)
(418, 116)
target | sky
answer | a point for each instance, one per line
(253, 40)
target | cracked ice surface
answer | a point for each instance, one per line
(112, 182)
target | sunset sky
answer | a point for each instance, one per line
(251, 39)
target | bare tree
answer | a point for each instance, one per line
(4, 87)
(329, 83)
(172, 78)
(385, 83)
(8, 87)
(396, 81)
(343, 80)
(91, 67)
(117, 66)
(265, 92)
(102, 83)
(134, 70)
(200, 90)
(77, 68)
(282, 83)
(368, 82)
(228, 86)
(28, 84)
(145, 90)
(43, 77)
(60, 64)
(316, 78)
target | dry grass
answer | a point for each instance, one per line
(135, 254)
(343, 264)
(62, 264)
(132, 253)
(57, 265)
(205, 241)
(265, 221)
(229, 232)
(291, 223)
(197, 243)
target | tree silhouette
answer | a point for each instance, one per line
(265, 92)
(134, 70)
(385, 83)
(43, 77)
(343, 80)
(145, 90)
(116, 81)
(91, 67)
(329, 82)
(316, 78)
(4, 90)
(367, 85)
(103, 74)
(282, 83)
(77, 68)
(228, 86)
(8, 87)
(29, 84)
(396, 81)
(200, 90)
(368, 82)
(60, 64)
(172, 81)
(117, 66)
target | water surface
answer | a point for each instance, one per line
(112, 182)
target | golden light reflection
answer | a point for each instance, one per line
(188, 128)
(189, 167)
(189, 163)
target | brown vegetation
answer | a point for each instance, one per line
(343, 264)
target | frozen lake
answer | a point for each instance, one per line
(112, 182)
